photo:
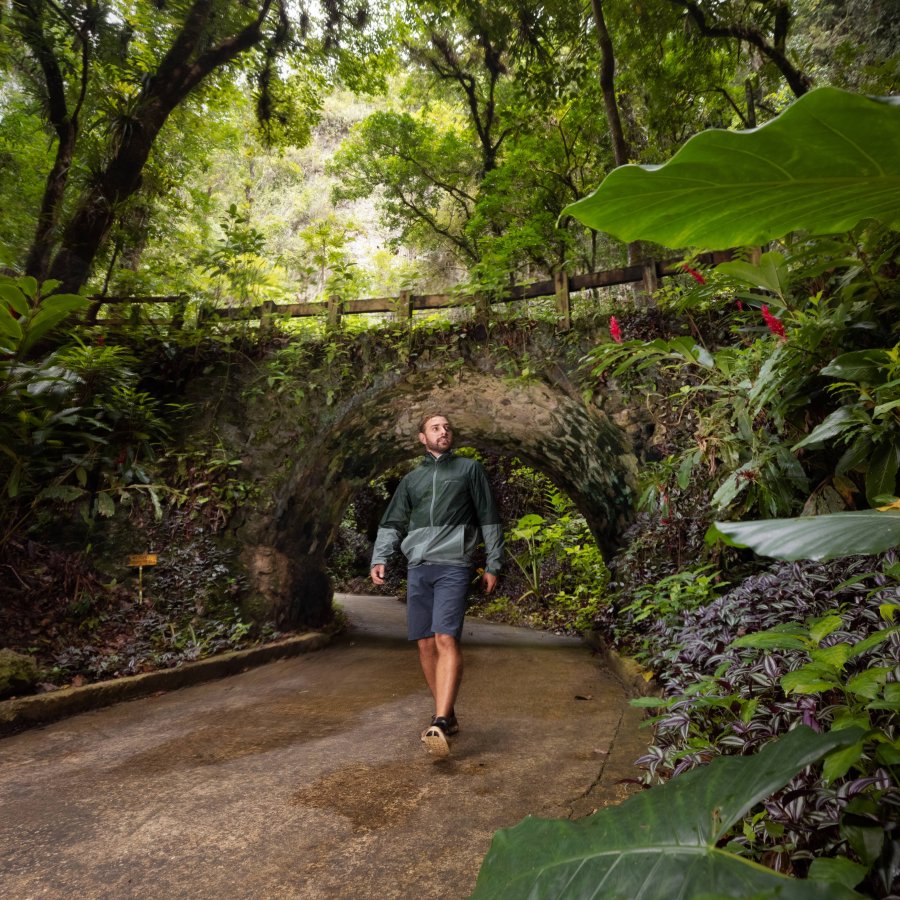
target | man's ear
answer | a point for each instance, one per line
(421, 438)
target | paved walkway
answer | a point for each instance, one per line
(305, 778)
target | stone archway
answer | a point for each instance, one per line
(571, 441)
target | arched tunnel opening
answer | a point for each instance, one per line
(555, 432)
(553, 573)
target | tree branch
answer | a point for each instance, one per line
(433, 225)
(798, 82)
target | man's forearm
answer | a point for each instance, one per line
(387, 540)
(493, 545)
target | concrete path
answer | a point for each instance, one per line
(305, 778)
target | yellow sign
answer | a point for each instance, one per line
(143, 559)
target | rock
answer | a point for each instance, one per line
(18, 673)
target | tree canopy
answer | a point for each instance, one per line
(484, 120)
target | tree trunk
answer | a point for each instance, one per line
(39, 254)
(608, 87)
(29, 18)
(183, 68)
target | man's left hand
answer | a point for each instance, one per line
(490, 582)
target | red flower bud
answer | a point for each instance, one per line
(614, 331)
(775, 325)
(694, 274)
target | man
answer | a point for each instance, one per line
(435, 517)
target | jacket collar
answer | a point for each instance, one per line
(428, 459)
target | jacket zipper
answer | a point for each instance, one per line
(433, 493)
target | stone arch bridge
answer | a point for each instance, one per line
(313, 422)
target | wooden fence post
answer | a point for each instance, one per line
(266, 310)
(650, 281)
(334, 311)
(482, 309)
(404, 306)
(563, 304)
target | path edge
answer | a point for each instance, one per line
(637, 681)
(21, 713)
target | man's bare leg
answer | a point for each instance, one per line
(441, 661)
(448, 674)
(428, 661)
(442, 664)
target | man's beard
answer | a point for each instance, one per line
(439, 446)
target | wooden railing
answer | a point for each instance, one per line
(561, 286)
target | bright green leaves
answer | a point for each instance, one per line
(868, 425)
(825, 673)
(815, 537)
(827, 162)
(771, 273)
(860, 366)
(29, 313)
(663, 841)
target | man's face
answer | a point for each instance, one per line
(437, 435)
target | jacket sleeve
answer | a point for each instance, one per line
(393, 526)
(488, 519)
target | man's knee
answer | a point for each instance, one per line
(445, 642)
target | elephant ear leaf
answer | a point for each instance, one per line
(662, 842)
(830, 536)
(830, 160)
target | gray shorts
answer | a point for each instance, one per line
(436, 600)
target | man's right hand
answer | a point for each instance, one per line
(377, 574)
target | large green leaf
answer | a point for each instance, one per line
(833, 425)
(862, 366)
(661, 843)
(827, 162)
(815, 537)
(881, 474)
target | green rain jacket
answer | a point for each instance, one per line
(436, 514)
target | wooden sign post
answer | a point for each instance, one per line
(140, 560)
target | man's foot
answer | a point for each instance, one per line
(452, 726)
(435, 737)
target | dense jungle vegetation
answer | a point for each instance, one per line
(163, 161)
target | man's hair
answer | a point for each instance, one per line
(432, 415)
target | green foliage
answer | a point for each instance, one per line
(829, 536)
(663, 603)
(423, 170)
(29, 312)
(530, 532)
(824, 673)
(239, 263)
(582, 588)
(207, 485)
(664, 842)
(869, 424)
(726, 189)
(674, 594)
(74, 427)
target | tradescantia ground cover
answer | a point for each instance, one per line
(801, 643)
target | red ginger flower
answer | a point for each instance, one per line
(775, 325)
(694, 274)
(614, 331)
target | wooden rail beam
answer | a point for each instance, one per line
(646, 274)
